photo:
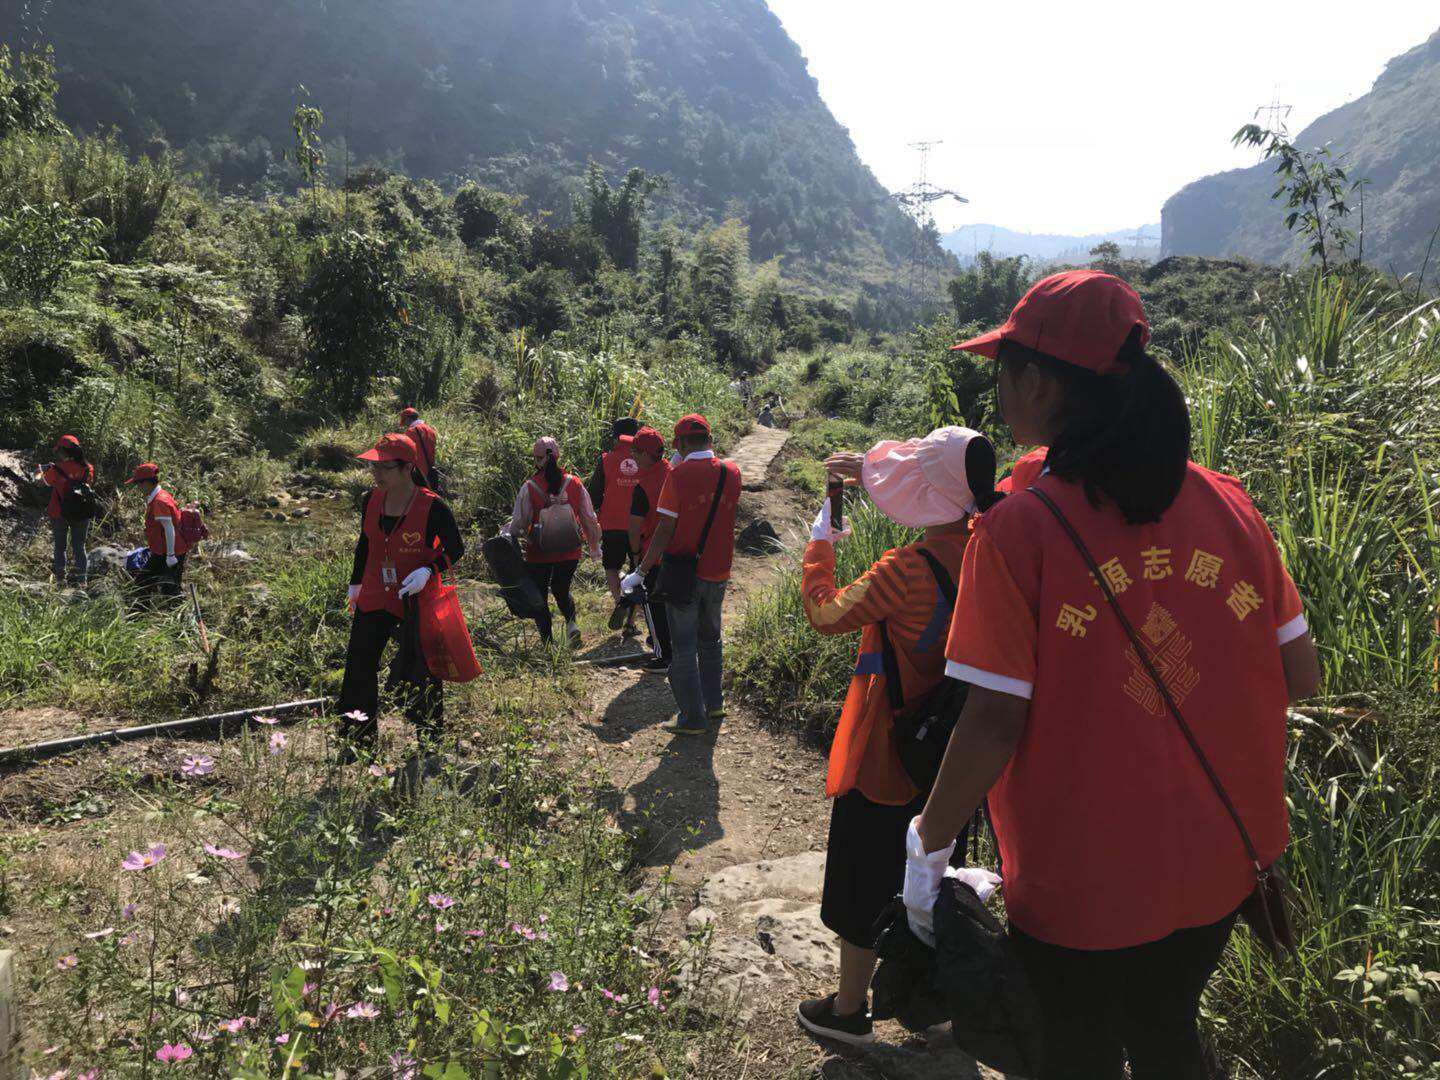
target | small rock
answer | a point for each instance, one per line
(700, 918)
(280, 515)
(272, 500)
(233, 554)
(301, 512)
(799, 877)
(758, 538)
(792, 930)
(268, 515)
(106, 559)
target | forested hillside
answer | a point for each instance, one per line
(1390, 138)
(711, 93)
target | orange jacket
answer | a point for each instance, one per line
(900, 590)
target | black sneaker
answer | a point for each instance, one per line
(656, 663)
(817, 1016)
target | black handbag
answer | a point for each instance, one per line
(1266, 910)
(922, 731)
(79, 502)
(676, 584)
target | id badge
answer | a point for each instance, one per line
(388, 576)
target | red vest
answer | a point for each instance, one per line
(61, 477)
(652, 480)
(405, 547)
(621, 476)
(539, 500)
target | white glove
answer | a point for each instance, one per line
(415, 581)
(630, 582)
(823, 530)
(983, 882)
(172, 561)
(352, 594)
(923, 875)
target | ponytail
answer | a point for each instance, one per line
(1124, 437)
(554, 478)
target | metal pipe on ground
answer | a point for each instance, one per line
(24, 755)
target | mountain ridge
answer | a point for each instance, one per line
(1389, 136)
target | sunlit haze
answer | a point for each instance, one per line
(1079, 118)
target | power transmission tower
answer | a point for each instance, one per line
(1140, 240)
(1276, 113)
(916, 201)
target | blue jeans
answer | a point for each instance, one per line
(77, 531)
(698, 659)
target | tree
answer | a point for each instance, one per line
(354, 316)
(986, 291)
(309, 147)
(1315, 188)
(27, 97)
(614, 216)
(39, 246)
(1106, 255)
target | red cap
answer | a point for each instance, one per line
(1082, 317)
(391, 448)
(67, 440)
(409, 413)
(649, 440)
(694, 424)
(145, 471)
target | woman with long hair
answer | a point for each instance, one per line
(555, 523)
(1124, 867)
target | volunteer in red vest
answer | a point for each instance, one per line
(935, 484)
(426, 440)
(648, 450)
(1123, 869)
(407, 536)
(69, 468)
(553, 568)
(611, 488)
(699, 483)
(163, 539)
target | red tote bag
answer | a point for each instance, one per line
(444, 637)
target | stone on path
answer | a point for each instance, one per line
(758, 538)
(799, 877)
(754, 454)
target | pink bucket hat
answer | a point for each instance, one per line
(931, 481)
(547, 444)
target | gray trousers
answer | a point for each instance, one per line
(697, 663)
(80, 561)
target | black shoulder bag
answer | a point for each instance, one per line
(922, 732)
(1266, 910)
(79, 502)
(676, 584)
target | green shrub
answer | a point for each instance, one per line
(353, 319)
(39, 246)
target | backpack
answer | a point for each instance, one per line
(558, 529)
(192, 526)
(922, 731)
(79, 502)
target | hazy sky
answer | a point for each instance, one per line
(1083, 117)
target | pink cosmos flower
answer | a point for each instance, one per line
(474, 933)
(61, 1075)
(362, 1010)
(222, 852)
(358, 715)
(96, 935)
(653, 996)
(544, 918)
(173, 1053)
(278, 742)
(609, 995)
(577, 1031)
(128, 911)
(281, 1040)
(440, 901)
(67, 963)
(237, 1025)
(268, 721)
(198, 765)
(143, 860)
(89, 1074)
(403, 1067)
(308, 988)
(503, 864)
(377, 771)
(558, 982)
(441, 927)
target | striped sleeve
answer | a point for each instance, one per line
(875, 595)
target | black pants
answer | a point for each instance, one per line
(1143, 1001)
(422, 693)
(556, 578)
(157, 577)
(658, 616)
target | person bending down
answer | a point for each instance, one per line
(936, 484)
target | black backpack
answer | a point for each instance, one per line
(922, 731)
(79, 502)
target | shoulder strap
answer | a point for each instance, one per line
(421, 444)
(888, 659)
(714, 509)
(1144, 654)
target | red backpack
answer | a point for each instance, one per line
(192, 525)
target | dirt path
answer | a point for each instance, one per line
(739, 819)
